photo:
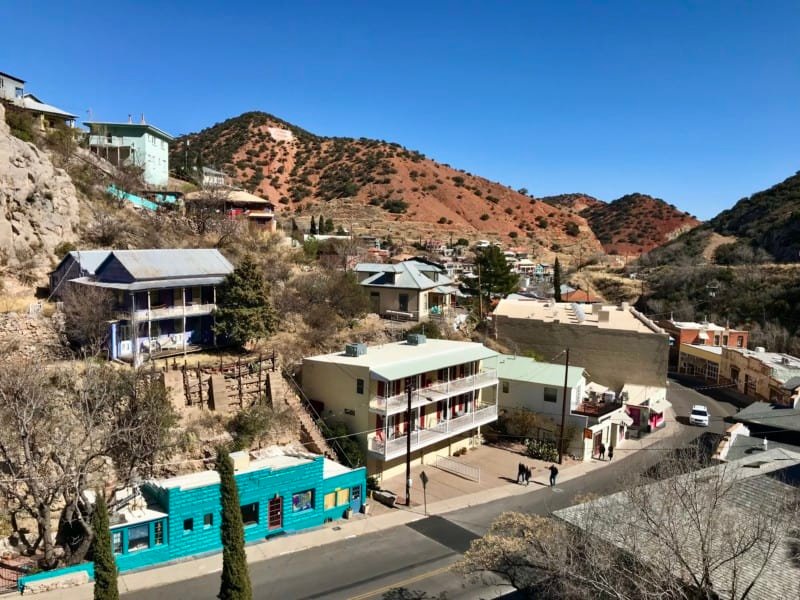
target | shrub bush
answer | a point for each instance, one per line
(484, 217)
(545, 450)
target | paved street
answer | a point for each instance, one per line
(417, 555)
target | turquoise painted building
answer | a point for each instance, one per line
(281, 491)
(131, 143)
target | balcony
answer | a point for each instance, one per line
(589, 408)
(437, 391)
(167, 312)
(420, 438)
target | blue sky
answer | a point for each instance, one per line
(694, 102)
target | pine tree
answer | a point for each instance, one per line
(235, 583)
(496, 276)
(313, 228)
(329, 226)
(557, 281)
(321, 224)
(243, 311)
(105, 568)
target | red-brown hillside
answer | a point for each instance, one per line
(300, 171)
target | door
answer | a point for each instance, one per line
(355, 498)
(402, 300)
(275, 513)
(375, 302)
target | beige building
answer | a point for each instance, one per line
(410, 290)
(762, 375)
(454, 392)
(616, 345)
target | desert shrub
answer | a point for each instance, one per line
(395, 206)
(484, 217)
(513, 235)
(21, 123)
(541, 222)
(542, 450)
(572, 228)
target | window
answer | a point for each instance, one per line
(109, 138)
(329, 501)
(357, 493)
(303, 501)
(342, 496)
(139, 537)
(550, 394)
(724, 340)
(359, 386)
(505, 387)
(158, 533)
(116, 542)
(716, 340)
(739, 341)
(250, 514)
(276, 513)
(208, 519)
(188, 525)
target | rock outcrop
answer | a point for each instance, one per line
(38, 202)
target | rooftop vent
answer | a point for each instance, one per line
(240, 459)
(355, 349)
(415, 339)
(760, 349)
(603, 316)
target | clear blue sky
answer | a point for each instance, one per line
(695, 102)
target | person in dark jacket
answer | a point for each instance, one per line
(601, 451)
(520, 473)
(553, 475)
(610, 452)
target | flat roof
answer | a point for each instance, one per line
(619, 317)
(390, 362)
(522, 368)
(774, 416)
(331, 468)
(784, 366)
(707, 326)
(273, 458)
(700, 349)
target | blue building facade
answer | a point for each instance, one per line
(280, 492)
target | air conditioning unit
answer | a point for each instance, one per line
(415, 339)
(355, 349)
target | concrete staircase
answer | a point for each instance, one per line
(281, 392)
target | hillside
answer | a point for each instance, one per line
(303, 173)
(572, 202)
(762, 227)
(636, 223)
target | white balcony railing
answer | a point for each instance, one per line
(168, 312)
(420, 438)
(437, 391)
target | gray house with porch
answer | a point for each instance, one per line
(164, 300)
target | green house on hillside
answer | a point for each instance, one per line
(131, 143)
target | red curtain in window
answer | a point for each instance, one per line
(379, 426)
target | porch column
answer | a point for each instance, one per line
(183, 301)
(134, 330)
(149, 327)
(213, 317)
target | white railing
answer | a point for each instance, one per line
(168, 312)
(399, 402)
(425, 437)
(455, 467)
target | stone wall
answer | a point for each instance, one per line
(34, 337)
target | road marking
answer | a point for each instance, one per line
(398, 584)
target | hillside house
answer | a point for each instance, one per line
(454, 392)
(236, 204)
(78, 263)
(11, 88)
(165, 300)
(213, 178)
(282, 490)
(409, 290)
(138, 144)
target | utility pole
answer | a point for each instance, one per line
(409, 389)
(563, 411)
(480, 295)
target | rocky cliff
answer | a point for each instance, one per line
(38, 203)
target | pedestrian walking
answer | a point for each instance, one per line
(610, 452)
(520, 473)
(527, 475)
(602, 451)
(553, 475)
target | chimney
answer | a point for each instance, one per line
(143, 123)
(130, 119)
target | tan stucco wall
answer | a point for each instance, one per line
(390, 300)
(610, 357)
(335, 386)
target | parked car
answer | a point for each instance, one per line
(699, 416)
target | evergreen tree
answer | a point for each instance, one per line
(496, 276)
(329, 227)
(557, 281)
(313, 228)
(243, 311)
(321, 225)
(105, 568)
(235, 582)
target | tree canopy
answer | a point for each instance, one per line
(235, 580)
(244, 312)
(495, 274)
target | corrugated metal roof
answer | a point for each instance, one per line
(151, 284)
(144, 265)
(88, 260)
(522, 368)
(31, 102)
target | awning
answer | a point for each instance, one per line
(622, 419)
(659, 405)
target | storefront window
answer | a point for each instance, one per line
(303, 501)
(139, 537)
(116, 542)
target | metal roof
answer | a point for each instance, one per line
(12, 77)
(774, 416)
(155, 130)
(407, 275)
(150, 284)
(88, 260)
(31, 102)
(522, 368)
(145, 265)
(392, 362)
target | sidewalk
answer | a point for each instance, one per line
(334, 532)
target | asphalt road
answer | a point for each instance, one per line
(417, 556)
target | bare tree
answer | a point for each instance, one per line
(87, 310)
(693, 535)
(62, 434)
(207, 207)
